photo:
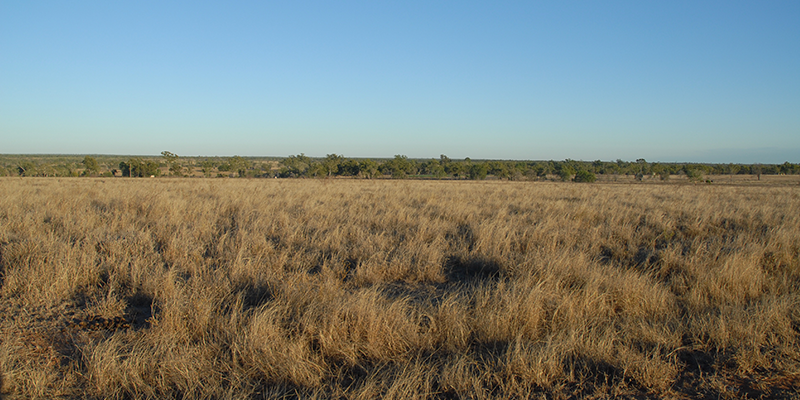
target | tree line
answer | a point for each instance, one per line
(399, 167)
(446, 168)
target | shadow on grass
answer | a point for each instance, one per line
(462, 275)
(139, 312)
(471, 269)
(254, 294)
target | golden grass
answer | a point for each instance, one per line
(135, 288)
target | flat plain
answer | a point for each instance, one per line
(359, 289)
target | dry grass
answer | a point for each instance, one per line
(394, 289)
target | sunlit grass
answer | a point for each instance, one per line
(196, 288)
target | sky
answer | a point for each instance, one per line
(669, 81)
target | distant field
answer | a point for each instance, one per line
(343, 288)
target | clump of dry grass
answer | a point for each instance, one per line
(394, 289)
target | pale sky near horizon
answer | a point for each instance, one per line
(703, 81)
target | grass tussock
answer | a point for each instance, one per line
(392, 289)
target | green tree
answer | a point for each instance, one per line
(598, 167)
(584, 176)
(137, 168)
(399, 167)
(478, 171)
(295, 166)
(565, 171)
(369, 168)
(350, 167)
(499, 169)
(437, 169)
(207, 166)
(755, 169)
(643, 166)
(124, 169)
(172, 160)
(331, 164)
(455, 169)
(432, 167)
(786, 168)
(317, 170)
(150, 169)
(239, 165)
(692, 172)
(91, 165)
(27, 168)
(661, 170)
(733, 169)
(170, 157)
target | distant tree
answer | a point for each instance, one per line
(170, 157)
(432, 167)
(661, 170)
(207, 166)
(478, 171)
(150, 168)
(399, 167)
(27, 168)
(733, 169)
(317, 170)
(565, 171)
(598, 167)
(175, 169)
(91, 165)
(500, 169)
(238, 165)
(137, 168)
(693, 173)
(172, 160)
(786, 168)
(368, 168)
(611, 168)
(295, 166)
(455, 169)
(769, 169)
(584, 176)
(545, 168)
(331, 164)
(125, 167)
(756, 170)
(436, 169)
(349, 167)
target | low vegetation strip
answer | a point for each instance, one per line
(207, 288)
(399, 167)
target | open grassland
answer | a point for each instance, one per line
(360, 289)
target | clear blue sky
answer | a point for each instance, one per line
(715, 81)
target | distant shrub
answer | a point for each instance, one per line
(478, 171)
(91, 165)
(693, 174)
(565, 171)
(584, 176)
(138, 168)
